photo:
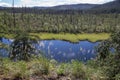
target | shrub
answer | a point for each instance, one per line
(117, 77)
(15, 70)
(39, 66)
(110, 62)
(78, 70)
(18, 70)
(63, 69)
(112, 66)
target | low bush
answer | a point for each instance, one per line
(39, 66)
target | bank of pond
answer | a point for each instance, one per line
(70, 37)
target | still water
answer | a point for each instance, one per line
(61, 51)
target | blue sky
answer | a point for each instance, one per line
(30, 3)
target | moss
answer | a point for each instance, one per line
(93, 37)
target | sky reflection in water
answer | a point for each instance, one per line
(62, 51)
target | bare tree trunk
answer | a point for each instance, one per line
(14, 23)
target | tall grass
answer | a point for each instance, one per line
(43, 68)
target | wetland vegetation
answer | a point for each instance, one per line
(30, 28)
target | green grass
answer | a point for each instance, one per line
(7, 35)
(73, 37)
(39, 67)
(93, 37)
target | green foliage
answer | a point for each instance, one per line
(115, 38)
(22, 47)
(117, 77)
(110, 62)
(14, 70)
(19, 70)
(73, 37)
(23, 70)
(56, 23)
(104, 49)
(111, 66)
(78, 70)
(39, 66)
(1, 66)
(94, 71)
(42, 67)
(63, 69)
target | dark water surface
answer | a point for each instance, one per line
(61, 51)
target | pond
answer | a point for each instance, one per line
(62, 51)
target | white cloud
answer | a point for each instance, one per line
(5, 4)
(31, 3)
(59, 2)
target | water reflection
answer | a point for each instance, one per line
(63, 51)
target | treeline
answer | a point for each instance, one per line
(56, 23)
(39, 10)
(47, 10)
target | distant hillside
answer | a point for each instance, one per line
(74, 7)
(110, 7)
(113, 6)
(70, 7)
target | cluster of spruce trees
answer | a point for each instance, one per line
(56, 23)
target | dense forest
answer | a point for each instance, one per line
(93, 18)
(56, 23)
